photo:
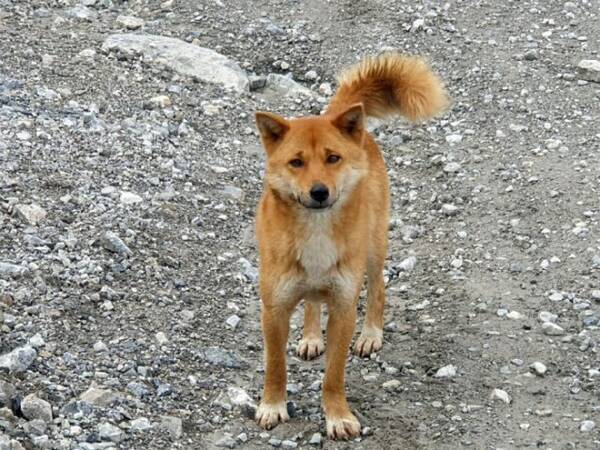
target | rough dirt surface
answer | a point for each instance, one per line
(134, 275)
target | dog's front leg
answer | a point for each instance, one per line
(341, 423)
(275, 318)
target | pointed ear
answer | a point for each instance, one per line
(272, 129)
(351, 121)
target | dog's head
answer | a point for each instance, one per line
(314, 162)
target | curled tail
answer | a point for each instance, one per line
(391, 84)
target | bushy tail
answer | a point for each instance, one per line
(391, 84)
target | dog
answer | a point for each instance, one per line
(322, 224)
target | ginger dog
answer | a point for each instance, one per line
(322, 225)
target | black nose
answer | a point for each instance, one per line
(319, 192)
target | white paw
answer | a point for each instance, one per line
(369, 341)
(344, 427)
(270, 415)
(310, 347)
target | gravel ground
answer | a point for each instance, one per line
(129, 316)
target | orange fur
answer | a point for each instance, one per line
(391, 84)
(322, 255)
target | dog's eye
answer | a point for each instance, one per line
(296, 162)
(332, 159)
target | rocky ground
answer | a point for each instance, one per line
(129, 173)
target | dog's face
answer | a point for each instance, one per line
(314, 162)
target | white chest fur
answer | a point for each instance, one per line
(317, 251)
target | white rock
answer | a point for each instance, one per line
(551, 329)
(515, 315)
(419, 306)
(141, 424)
(239, 397)
(160, 101)
(587, 426)
(130, 22)
(285, 85)
(391, 385)
(556, 297)
(18, 360)
(449, 209)
(546, 316)
(452, 167)
(453, 139)
(129, 198)
(8, 270)
(408, 264)
(538, 368)
(32, 214)
(109, 432)
(596, 294)
(417, 25)
(185, 59)
(37, 340)
(100, 347)
(448, 371)
(233, 321)
(589, 69)
(499, 394)
(161, 338)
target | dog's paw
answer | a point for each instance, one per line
(310, 347)
(270, 415)
(369, 341)
(342, 427)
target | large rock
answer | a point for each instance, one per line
(18, 360)
(187, 59)
(9, 270)
(589, 69)
(31, 214)
(36, 408)
(99, 397)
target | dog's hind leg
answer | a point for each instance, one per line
(371, 336)
(311, 345)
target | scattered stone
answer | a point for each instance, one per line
(226, 441)
(130, 22)
(109, 432)
(556, 297)
(9, 270)
(18, 360)
(551, 329)
(162, 338)
(285, 85)
(140, 425)
(172, 425)
(452, 167)
(185, 59)
(448, 371)
(538, 368)
(130, 198)
(392, 385)
(587, 426)
(233, 321)
(449, 209)
(499, 394)
(113, 243)
(99, 397)
(37, 341)
(36, 408)
(589, 70)
(515, 315)
(408, 264)
(453, 139)
(221, 357)
(546, 316)
(31, 214)
(316, 439)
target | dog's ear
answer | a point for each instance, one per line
(272, 129)
(351, 121)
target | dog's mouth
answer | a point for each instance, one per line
(317, 206)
